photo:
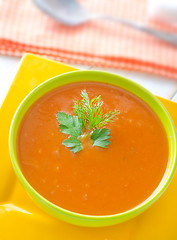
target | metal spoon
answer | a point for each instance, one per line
(71, 13)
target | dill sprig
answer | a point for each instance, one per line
(91, 112)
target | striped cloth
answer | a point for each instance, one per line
(24, 28)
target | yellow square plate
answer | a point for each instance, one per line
(19, 216)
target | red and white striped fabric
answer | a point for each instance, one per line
(24, 28)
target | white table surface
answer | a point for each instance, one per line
(163, 87)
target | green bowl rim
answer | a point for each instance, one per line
(134, 210)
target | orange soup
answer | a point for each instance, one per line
(94, 181)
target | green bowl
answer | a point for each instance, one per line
(95, 76)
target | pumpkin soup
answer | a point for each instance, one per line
(93, 179)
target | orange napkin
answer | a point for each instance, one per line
(24, 28)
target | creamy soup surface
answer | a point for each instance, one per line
(94, 181)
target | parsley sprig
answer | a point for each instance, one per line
(70, 125)
(89, 119)
(100, 137)
(73, 143)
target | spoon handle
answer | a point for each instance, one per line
(165, 36)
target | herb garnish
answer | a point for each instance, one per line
(100, 136)
(73, 143)
(70, 125)
(89, 120)
(91, 112)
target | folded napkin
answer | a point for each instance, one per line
(24, 28)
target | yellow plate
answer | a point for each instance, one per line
(19, 216)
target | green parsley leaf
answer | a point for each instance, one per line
(100, 136)
(73, 143)
(71, 125)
